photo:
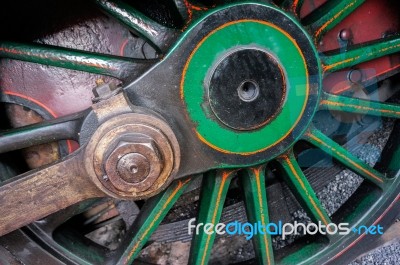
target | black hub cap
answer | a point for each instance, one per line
(246, 98)
(247, 89)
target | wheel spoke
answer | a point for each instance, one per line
(335, 61)
(38, 193)
(214, 189)
(187, 9)
(330, 147)
(370, 76)
(253, 184)
(102, 64)
(329, 15)
(359, 106)
(158, 35)
(293, 6)
(183, 9)
(66, 128)
(149, 218)
(302, 189)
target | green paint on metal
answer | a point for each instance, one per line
(245, 33)
(293, 5)
(147, 28)
(150, 219)
(213, 193)
(302, 189)
(359, 106)
(329, 15)
(151, 215)
(360, 53)
(253, 184)
(365, 212)
(330, 147)
(102, 64)
(395, 162)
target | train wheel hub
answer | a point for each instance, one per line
(247, 94)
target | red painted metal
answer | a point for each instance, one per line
(371, 21)
(66, 91)
(309, 6)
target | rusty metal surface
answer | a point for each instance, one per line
(153, 139)
(135, 163)
(38, 193)
(60, 92)
(127, 172)
(67, 91)
(62, 184)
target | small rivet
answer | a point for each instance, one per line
(345, 34)
(355, 76)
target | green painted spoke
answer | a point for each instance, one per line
(253, 183)
(214, 189)
(360, 106)
(151, 215)
(102, 64)
(188, 9)
(293, 5)
(329, 15)
(330, 147)
(157, 35)
(335, 61)
(183, 9)
(65, 128)
(302, 189)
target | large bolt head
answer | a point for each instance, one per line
(133, 163)
(132, 156)
(345, 35)
(355, 76)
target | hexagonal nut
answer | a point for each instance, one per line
(104, 91)
(133, 144)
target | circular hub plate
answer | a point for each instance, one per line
(252, 81)
(247, 89)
